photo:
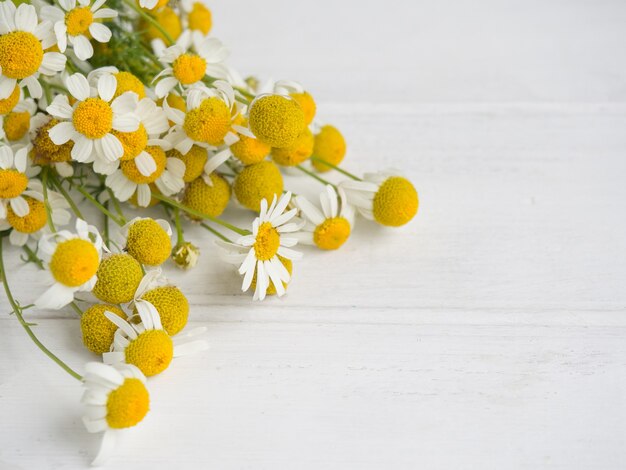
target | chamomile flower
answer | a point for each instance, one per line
(386, 197)
(72, 260)
(14, 180)
(97, 330)
(130, 178)
(23, 41)
(276, 119)
(209, 120)
(146, 344)
(126, 81)
(191, 59)
(207, 198)
(297, 92)
(77, 23)
(259, 252)
(115, 398)
(45, 152)
(329, 146)
(89, 123)
(15, 125)
(257, 182)
(199, 18)
(119, 275)
(330, 227)
(33, 224)
(147, 240)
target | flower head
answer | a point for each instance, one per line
(16, 124)
(257, 182)
(148, 240)
(330, 146)
(385, 197)
(210, 199)
(14, 180)
(275, 119)
(199, 18)
(119, 275)
(97, 330)
(115, 398)
(45, 152)
(77, 23)
(298, 93)
(258, 253)
(72, 260)
(23, 41)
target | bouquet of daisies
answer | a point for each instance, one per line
(116, 106)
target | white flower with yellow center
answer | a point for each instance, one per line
(191, 59)
(258, 253)
(146, 344)
(34, 224)
(115, 398)
(23, 40)
(15, 125)
(75, 23)
(208, 121)
(72, 260)
(15, 172)
(386, 197)
(330, 227)
(90, 122)
(198, 17)
(131, 177)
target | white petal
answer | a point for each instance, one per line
(20, 206)
(78, 86)
(145, 163)
(81, 152)
(106, 87)
(144, 195)
(126, 123)
(82, 47)
(33, 85)
(107, 447)
(56, 297)
(125, 103)
(112, 148)
(99, 31)
(61, 133)
(7, 85)
(26, 18)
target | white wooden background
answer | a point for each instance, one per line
(489, 333)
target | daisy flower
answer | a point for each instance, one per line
(147, 240)
(146, 344)
(14, 180)
(259, 253)
(23, 40)
(72, 260)
(75, 23)
(90, 121)
(115, 398)
(198, 16)
(329, 227)
(190, 60)
(34, 223)
(16, 124)
(45, 152)
(131, 177)
(298, 93)
(385, 197)
(209, 120)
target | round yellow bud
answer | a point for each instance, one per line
(119, 276)
(276, 120)
(98, 330)
(194, 161)
(148, 242)
(396, 202)
(172, 306)
(329, 146)
(297, 152)
(307, 103)
(257, 182)
(209, 200)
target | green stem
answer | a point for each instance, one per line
(67, 197)
(32, 256)
(335, 167)
(76, 308)
(180, 236)
(315, 176)
(173, 203)
(44, 184)
(99, 206)
(18, 313)
(106, 223)
(151, 20)
(216, 233)
(116, 205)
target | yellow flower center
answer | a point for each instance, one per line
(249, 150)
(35, 219)
(267, 242)
(169, 21)
(132, 142)
(128, 404)
(16, 125)
(148, 243)
(271, 290)
(78, 20)
(74, 262)
(200, 18)
(45, 151)
(126, 81)
(307, 103)
(210, 200)
(329, 146)
(209, 122)
(98, 330)
(189, 68)
(396, 202)
(12, 183)
(172, 306)
(21, 54)
(119, 276)
(194, 161)
(130, 170)
(256, 182)
(159, 4)
(93, 118)
(7, 104)
(151, 352)
(297, 152)
(332, 233)
(276, 120)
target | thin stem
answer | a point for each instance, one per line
(106, 223)
(313, 175)
(44, 184)
(335, 167)
(67, 197)
(116, 205)
(76, 308)
(180, 235)
(32, 256)
(216, 233)
(18, 313)
(151, 20)
(102, 209)
(174, 203)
